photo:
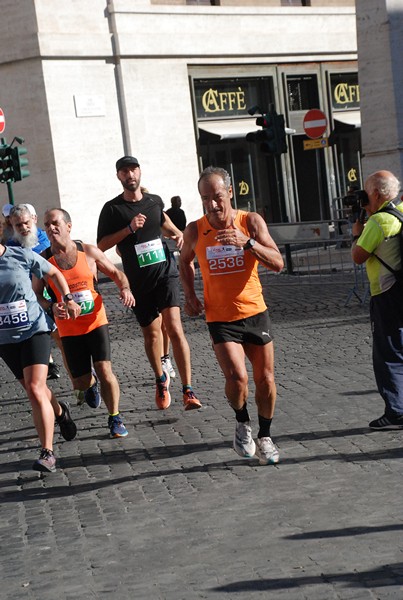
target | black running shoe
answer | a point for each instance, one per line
(385, 423)
(68, 428)
(53, 371)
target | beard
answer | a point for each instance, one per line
(27, 241)
(131, 186)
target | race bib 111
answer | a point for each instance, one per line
(150, 253)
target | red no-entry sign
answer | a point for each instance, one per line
(315, 123)
(2, 121)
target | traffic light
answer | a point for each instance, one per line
(279, 133)
(18, 163)
(6, 164)
(272, 136)
(264, 137)
(11, 163)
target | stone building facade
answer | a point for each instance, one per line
(86, 81)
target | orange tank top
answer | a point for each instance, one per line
(81, 283)
(232, 288)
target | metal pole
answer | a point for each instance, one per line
(10, 192)
(288, 259)
(280, 189)
(319, 174)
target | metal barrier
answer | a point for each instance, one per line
(319, 252)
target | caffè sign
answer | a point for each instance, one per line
(345, 91)
(218, 98)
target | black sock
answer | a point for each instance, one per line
(242, 414)
(161, 379)
(264, 427)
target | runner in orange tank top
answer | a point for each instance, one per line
(86, 340)
(229, 245)
(233, 290)
(81, 283)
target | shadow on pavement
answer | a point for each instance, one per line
(347, 531)
(383, 576)
(57, 491)
(159, 453)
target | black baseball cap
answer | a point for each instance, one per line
(126, 161)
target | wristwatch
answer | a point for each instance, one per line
(68, 298)
(249, 244)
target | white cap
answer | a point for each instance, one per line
(31, 209)
(6, 210)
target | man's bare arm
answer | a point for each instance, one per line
(112, 239)
(266, 250)
(193, 306)
(103, 264)
(170, 231)
(108, 241)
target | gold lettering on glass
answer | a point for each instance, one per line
(346, 94)
(241, 99)
(243, 188)
(214, 101)
(352, 175)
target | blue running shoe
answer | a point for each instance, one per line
(93, 395)
(117, 427)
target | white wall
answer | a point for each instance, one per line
(132, 58)
(380, 50)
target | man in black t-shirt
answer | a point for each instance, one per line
(135, 222)
(176, 214)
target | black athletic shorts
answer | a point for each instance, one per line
(33, 351)
(79, 349)
(149, 306)
(252, 330)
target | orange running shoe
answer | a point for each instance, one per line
(162, 395)
(190, 401)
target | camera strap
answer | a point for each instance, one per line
(392, 210)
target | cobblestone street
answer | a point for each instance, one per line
(172, 513)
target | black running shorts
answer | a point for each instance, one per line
(253, 330)
(33, 351)
(149, 306)
(79, 349)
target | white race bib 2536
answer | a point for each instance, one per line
(224, 260)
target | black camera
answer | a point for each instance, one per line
(356, 200)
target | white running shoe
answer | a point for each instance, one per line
(167, 366)
(243, 440)
(266, 451)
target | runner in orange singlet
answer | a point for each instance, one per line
(86, 340)
(229, 245)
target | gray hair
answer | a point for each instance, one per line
(209, 171)
(20, 209)
(385, 182)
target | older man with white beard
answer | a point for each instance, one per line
(27, 234)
